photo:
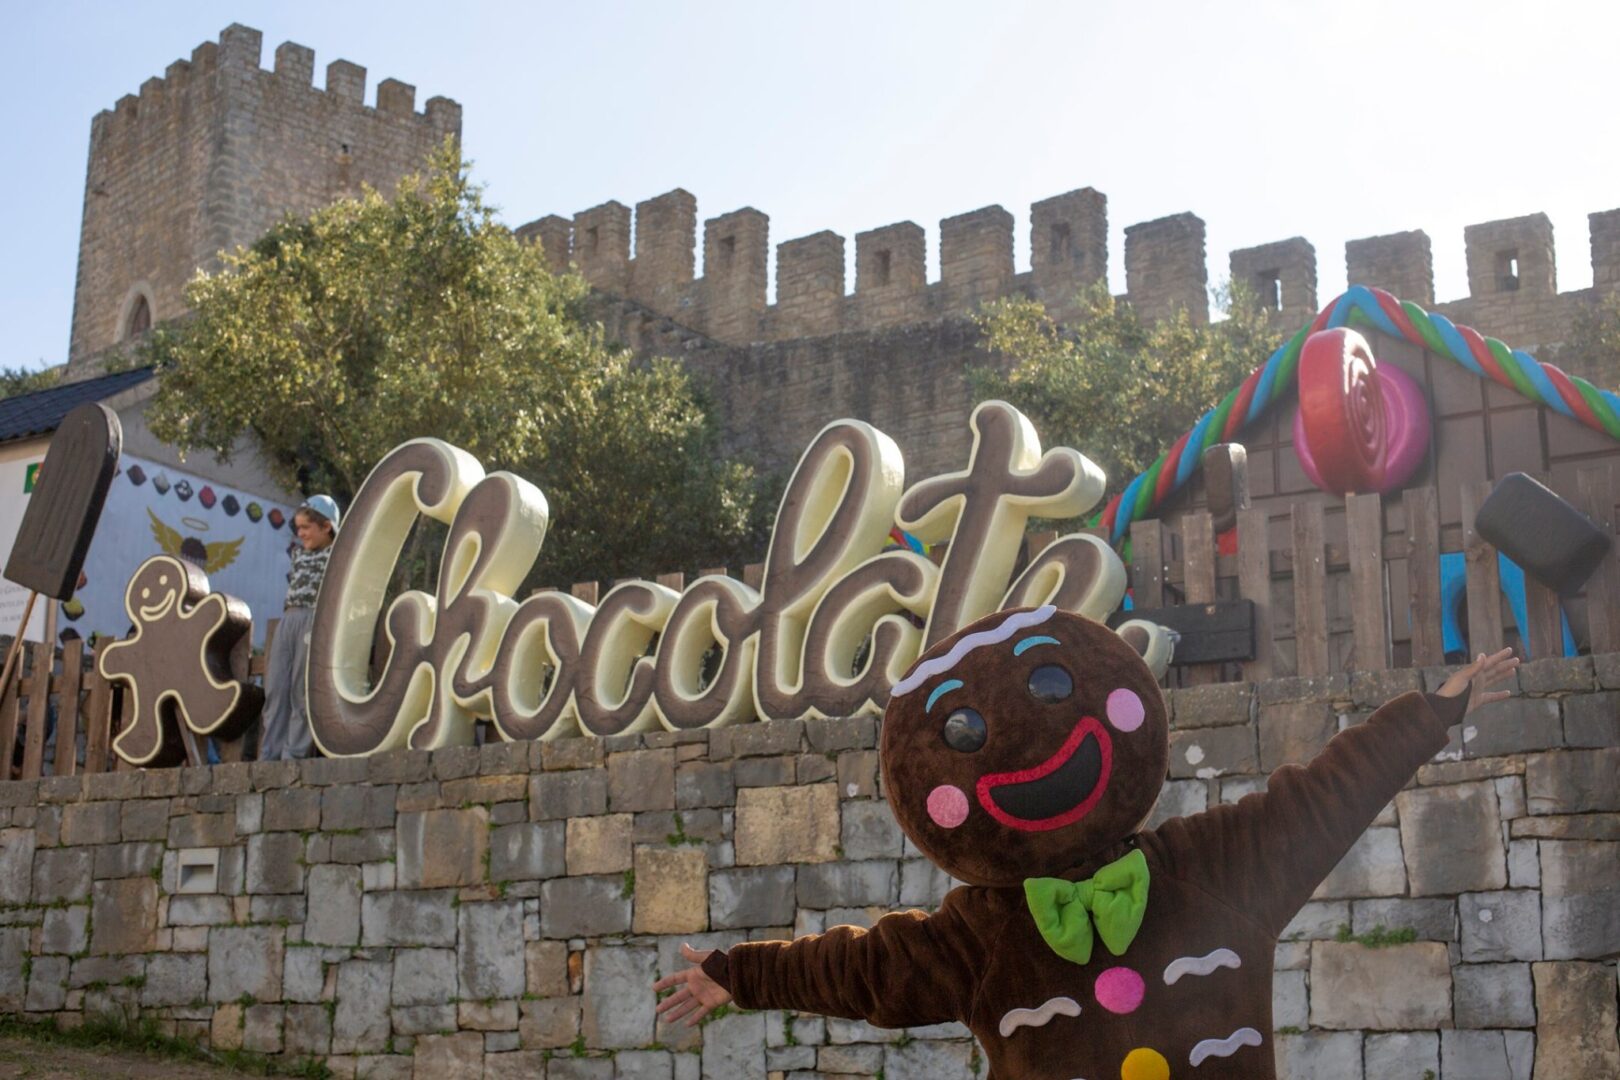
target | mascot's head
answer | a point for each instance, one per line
(1022, 744)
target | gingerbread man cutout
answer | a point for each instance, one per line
(182, 665)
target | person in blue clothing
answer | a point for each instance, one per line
(286, 734)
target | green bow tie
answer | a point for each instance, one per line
(1114, 898)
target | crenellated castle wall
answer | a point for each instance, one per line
(212, 154)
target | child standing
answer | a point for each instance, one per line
(286, 726)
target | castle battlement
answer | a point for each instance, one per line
(1511, 267)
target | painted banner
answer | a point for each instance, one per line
(238, 539)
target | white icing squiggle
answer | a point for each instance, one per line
(1224, 1047)
(1200, 965)
(1017, 1018)
(999, 633)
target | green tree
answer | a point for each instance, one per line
(1592, 349)
(376, 320)
(19, 380)
(1115, 387)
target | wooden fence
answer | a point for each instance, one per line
(1344, 592)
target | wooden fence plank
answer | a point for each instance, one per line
(713, 571)
(1545, 632)
(97, 717)
(1484, 576)
(68, 709)
(1310, 589)
(1147, 564)
(8, 721)
(1198, 558)
(39, 702)
(1423, 573)
(1603, 588)
(1254, 584)
(586, 591)
(1369, 604)
(676, 581)
(754, 575)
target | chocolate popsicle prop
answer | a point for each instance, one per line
(1226, 480)
(54, 536)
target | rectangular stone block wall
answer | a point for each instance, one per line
(502, 910)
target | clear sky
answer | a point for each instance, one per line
(1268, 120)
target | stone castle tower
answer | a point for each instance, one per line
(215, 152)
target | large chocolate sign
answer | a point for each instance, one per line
(833, 625)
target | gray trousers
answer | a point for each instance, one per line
(286, 732)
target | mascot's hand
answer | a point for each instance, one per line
(695, 996)
(1484, 672)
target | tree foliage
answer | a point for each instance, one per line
(1592, 348)
(376, 320)
(20, 380)
(1115, 387)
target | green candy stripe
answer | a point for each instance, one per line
(1420, 320)
(1599, 406)
(1515, 370)
(1222, 411)
(1289, 364)
(1144, 495)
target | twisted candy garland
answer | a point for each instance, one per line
(1486, 357)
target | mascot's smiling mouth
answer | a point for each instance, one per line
(1057, 792)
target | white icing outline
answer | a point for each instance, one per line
(994, 636)
(1200, 965)
(1226, 1047)
(1038, 1017)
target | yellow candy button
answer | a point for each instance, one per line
(1144, 1064)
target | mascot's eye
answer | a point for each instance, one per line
(964, 730)
(1050, 684)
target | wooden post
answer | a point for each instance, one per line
(1369, 603)
(98, 717)
(672, 581)
(1484, 576)
(586, 591)
(754, 575)
(1310, 589)
(39, 702)
(67, 709)
(1147, 564)
(1423, 572)
(8, 723)
(1198, 561)
(1254, 584)
(1545, 632)
(1603, 589)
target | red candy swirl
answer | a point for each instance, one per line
(1342, 404)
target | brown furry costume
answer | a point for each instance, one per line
(1036, 753)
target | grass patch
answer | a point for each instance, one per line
(144, 1036)
(1378, 937)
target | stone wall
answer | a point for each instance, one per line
(501, 911)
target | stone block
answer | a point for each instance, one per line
(703, 783)
(1430, 920)
(848, 884)
(599, 845)
(1474, 1054)
(65, 930)
(92, 823)
(518, 1065)
(303, 975)
(334, 905)
(200, 909)
(492, 1016)
(372, 845)
(870, 831)
(452, 1057)
(1580, 899)
(1573, 781)
(202, 830)
(672, 890)
(399, 767)
(1403, 1054)
(922, 884)
(527, 851)
(360, 1021)
(745, 898)
(1493, 996)
(423, 976)
(225, 1028)
(582, 1068)
(143, 819)
(641, 780)
(423, 1019)
(546, 968)
(308, 1031)
(358, 806)
(1290, 1000)
(843, 733)
(1514, 726)
(765, 772)
(1216, 705)
(1317, 920)
(1372, 867)
(489, 964)
(128, 860)
(1320, 1055)
(929, 1060)
(1213, 751)
(319, 772)
(292, 810)
(245, 960)
(549, 1023)
(123, 916)
(47, 984)
(261, 1029)
(408, 918)
(1395, 988)
(1178, 798)
(1370, 689)
(643, 1065)
(858, 774)
(1575, 1020)
(439, 848)
(16, 866)
(734, 1047)
(856, 1059)
(618, 1009)
(1500, 926)
(1294, 732)
(574, 793)
(13, 954)
(504, 758)
(1557, 675)
(787, 825)
(1452, 839)
(275, 863)
(283, 908)
(584, 907)
(1592, 720)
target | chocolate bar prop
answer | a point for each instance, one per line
(62, 513)
(1555, 543)
(1226, 482)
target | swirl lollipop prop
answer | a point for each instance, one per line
(1342, 402)
(1406, 427)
